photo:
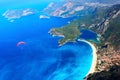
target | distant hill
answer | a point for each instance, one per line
(69, 8)
(100, 1)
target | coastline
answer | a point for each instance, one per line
(94, 60)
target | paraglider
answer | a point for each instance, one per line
(20, 43)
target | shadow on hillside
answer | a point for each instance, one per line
(112, 74)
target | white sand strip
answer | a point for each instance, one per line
(94, 61)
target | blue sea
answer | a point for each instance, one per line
(88, 35)
(40, 58)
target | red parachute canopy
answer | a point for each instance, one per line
(20, 43)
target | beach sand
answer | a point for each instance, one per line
(94, 60)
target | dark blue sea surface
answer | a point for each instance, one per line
(88, 35)
(40, 58)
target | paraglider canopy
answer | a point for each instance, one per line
(21, 43)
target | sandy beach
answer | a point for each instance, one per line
(94, 61)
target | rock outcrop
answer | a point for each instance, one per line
(112, 74)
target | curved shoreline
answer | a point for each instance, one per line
(94, 60)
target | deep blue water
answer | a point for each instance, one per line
(88, 35)
(40, 58)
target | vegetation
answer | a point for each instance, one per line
(70, 32)
(112, 34)
(110, 49)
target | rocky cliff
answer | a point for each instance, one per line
(109, 48)
(112, 74)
